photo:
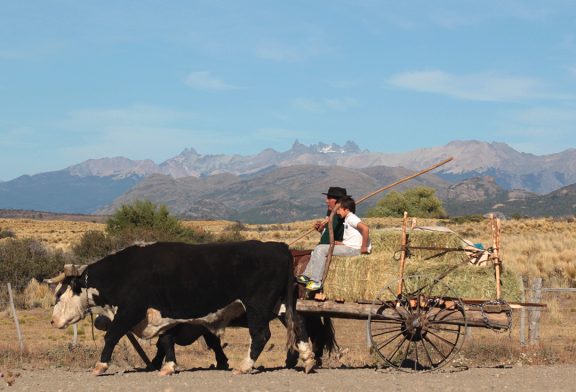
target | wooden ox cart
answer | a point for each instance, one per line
(417, 322)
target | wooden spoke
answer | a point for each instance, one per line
(427, 328)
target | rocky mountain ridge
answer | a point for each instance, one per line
(277, 186)
(510, 168)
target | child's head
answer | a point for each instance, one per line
(347, 204)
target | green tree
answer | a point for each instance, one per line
(419, 202)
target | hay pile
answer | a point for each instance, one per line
(364, 277)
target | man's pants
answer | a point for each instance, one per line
(317, 263)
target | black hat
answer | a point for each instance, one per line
(336, 192)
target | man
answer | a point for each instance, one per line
(332, 196)
(355, 241)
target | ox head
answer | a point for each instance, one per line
(73, 296)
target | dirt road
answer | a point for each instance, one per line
(526, 379)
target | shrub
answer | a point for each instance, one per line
(420, 202)
(93, 245)
(7, 234)
(22, 260)
(232, 233)
(144, 221)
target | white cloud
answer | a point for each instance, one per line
(324, 105)
(476, 87)
(204, 80)
(312, 45)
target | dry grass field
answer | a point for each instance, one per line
(533, 248)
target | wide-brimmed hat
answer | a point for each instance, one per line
(336, 192)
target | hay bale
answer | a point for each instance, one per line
(363, 277)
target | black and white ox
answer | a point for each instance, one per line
(157, 286)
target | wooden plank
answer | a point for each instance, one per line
(474, 316)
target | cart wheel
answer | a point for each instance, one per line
(421, 328)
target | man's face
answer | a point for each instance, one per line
(330, 203)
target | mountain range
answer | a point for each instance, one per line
(274, 186)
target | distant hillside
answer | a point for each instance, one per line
(278, 195)
(280, 186)
(62, 192)
(483, 195)
(44, 215)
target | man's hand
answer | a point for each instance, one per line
(319, 225)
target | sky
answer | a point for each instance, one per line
(145, 79)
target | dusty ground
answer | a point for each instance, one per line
(488, 362)
(527, 379)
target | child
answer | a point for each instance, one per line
(355, 241)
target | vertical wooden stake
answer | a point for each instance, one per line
(16, 322)
(75, 336)
(534, 316)
(523, 312)
(495, 223)
(402, 254)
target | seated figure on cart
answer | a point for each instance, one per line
(355, 241)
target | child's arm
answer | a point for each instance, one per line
(365, 231)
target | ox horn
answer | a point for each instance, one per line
(57, 279)
(74, 270)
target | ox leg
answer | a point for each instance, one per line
(123, 321)
(314, 327)
(166, 344)
(259, 329)
(303, 343)
(291, 355)
(156, 363)
(214, 342)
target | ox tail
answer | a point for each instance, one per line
(330, 335)
(293, 323)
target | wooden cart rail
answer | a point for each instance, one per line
(495, 316)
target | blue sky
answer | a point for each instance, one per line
(144, 79)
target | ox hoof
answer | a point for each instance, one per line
(246, 367)
(309, 365)
(100, 369)
(168, 369)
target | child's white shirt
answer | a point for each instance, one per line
(352, 236)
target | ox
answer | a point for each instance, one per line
(320, 331)
(158, 286)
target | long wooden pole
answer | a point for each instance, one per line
(360, 200)
(138, 348)
(402, 180)
(331, 248)
(403, 254)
